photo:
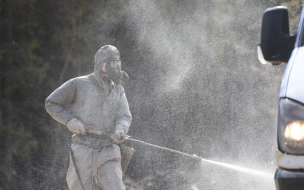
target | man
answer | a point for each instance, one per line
(95, 108)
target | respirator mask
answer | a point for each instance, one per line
(114, 72)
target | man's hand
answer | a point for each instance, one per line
(119, 136)
(76, 127)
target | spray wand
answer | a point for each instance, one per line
(164, 148)
(93, 130)
(193, 156)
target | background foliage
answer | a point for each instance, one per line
(195, 82)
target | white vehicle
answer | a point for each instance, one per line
(277, 47)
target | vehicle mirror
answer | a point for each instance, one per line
(276, 44)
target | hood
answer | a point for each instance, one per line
(293, 81)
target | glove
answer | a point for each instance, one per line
(119, 136)
(76, 127)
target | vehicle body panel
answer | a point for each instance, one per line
(295, 86)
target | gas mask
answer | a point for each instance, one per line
(113, 70)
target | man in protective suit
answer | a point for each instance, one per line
(96, 102)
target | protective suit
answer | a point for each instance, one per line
(93, 100)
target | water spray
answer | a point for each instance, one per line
(193, 156)
(92, 129)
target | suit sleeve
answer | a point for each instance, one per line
(124, 117)
(57, 102)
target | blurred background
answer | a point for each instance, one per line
(195, 86)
